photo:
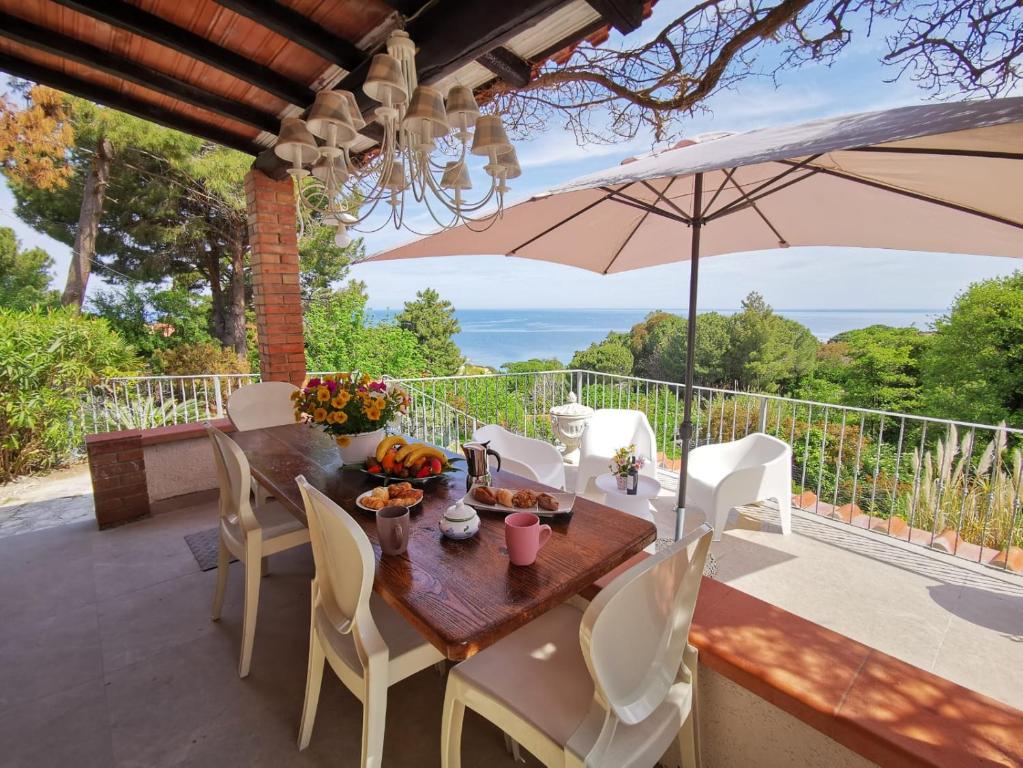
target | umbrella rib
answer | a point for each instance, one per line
(918, 196)
(639, 224)
(663, 197)
(991, 154)
(729, 175)
(719, 190)
(756, 190)
(740, 205)
(569, 218)
(642, 205)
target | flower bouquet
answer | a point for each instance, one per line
(351, 407)
(624, 463)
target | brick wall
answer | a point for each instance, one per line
(277, 298)
(118, 469)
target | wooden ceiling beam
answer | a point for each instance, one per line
(152, 27)
(119, 101)
(508, 66)
(299, 29)
(624, 15)
(48, 41)
(406, 7)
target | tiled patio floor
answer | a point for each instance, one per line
(108, 656)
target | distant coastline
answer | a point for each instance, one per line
(492, 337)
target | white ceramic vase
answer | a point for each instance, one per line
(360, 446)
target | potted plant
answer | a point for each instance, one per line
(625, 463)
(351, 407)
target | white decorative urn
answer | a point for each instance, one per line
(569, 421)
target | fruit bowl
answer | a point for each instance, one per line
(396, 458)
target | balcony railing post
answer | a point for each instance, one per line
(218, 397)
(762, 414)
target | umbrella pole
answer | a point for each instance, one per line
(686, 430)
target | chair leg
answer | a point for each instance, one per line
(374, 717)
(451, 727)
(785, 512)
(512, 748)
(313, 682)
(720, 521)
(689, 735)
(223, 562)
(253, 556)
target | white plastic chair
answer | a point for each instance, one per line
(608, 430)
(368, 645)
(723, 476)
(249, 533)
(524, 456)
(258, 405)
(612, 686)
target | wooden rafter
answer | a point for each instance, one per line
(508, 66)
(623, 15)
(116, 100)
(152, 27)
(34, 36)
(299, 29)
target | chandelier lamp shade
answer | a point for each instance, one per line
(414, 118)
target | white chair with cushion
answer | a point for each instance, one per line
(263, 404)
(250, 533)
(608, 430)
(612, 686)
(368, 645)
(524, 456)
(723, 476)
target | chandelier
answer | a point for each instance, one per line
(345, 191)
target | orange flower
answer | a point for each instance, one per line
(343, 440)
(341, 399)
(340, 417)
(320, 415)
(323, 394)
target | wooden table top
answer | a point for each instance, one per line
(462, 595)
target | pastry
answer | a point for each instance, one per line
(548, 502)
(524, 499)
(505, 497)
(381, 493)
(399, 489)
(484, 495)
(409, 498)
(374, 502)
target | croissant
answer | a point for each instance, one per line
(374, 502)
(547, 502)
(524, 499)
(399, 489)
(505, 497)
(484, 495)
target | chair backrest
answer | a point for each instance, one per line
(522, 455)
(345, 565)
(611, 428)
(635, 631)
(761, 449)
(265, 404)
(234, 480)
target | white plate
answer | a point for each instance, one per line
(361, 496)
(565, 503)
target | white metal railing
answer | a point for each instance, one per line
(937, 482)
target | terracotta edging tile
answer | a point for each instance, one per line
(896, 713)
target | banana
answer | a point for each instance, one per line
(423, 451)
(406, 450)
(386, 444)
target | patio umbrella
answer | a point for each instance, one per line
(941, 177)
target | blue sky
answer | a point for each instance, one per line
(798, 278)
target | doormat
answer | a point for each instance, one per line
(204, 546)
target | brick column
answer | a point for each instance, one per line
(274, 242)
(118, 470)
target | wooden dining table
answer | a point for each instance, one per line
(461, 595)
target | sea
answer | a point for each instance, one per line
(493, 337)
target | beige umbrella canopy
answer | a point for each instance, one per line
(940, 177)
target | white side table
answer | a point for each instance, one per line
(638, 505)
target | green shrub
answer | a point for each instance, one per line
(48, 360)
(198, 359)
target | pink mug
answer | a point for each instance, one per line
(524, 536)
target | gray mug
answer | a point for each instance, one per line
(393, 530)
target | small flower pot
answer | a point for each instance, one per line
(622, 482)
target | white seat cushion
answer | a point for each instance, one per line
(538, 673)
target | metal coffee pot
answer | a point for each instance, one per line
(477, 463)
